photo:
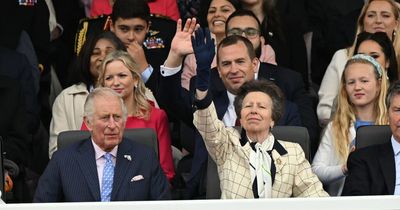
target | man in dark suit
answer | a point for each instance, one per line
(375, 170)
(224, 82)
(106, 167)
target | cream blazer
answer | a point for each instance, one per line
(293, 178)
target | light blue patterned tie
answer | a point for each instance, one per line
(108, 176)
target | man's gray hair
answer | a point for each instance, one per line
(393, 91)
(102, 92)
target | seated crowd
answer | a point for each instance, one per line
(227, 77)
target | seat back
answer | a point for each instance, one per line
(145, 136)
(296, 134)
(372, 135)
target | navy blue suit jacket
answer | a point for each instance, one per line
(371, 171)
(71, 175)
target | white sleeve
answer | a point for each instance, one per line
(330, 85)
(326, 163)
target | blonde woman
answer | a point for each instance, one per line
(376, 15)
(361, 101)
(119, 72)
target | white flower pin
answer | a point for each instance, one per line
(128, 157)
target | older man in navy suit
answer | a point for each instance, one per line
(106, 167)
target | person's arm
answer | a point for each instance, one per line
(358, 178)
(58, 122)
(306, 183)
(211, 129)
(325, 163)
(330, 86)
(159, 186)
(176, 100)
(49, 188)
(181, 44)
(164, 145)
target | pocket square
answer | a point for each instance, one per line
(137, 178)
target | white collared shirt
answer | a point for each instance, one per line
(100, 161)
(229, 118)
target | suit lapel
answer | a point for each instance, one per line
(277, 152)
(87, 163)
(387, 166)
(218, 90)
(122, 166)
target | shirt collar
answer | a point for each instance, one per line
(258, 70)
(396, 146)
(231, 98)
(99, 152)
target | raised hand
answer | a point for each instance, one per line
(181, 44)
(204, 51)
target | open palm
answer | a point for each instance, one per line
(181, 43)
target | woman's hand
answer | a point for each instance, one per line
(204, 51)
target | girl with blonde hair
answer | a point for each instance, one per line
(361, 102)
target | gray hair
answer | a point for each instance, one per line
(102, 92)
(393, 91)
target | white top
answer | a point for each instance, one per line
(326, 163)
(330, 85)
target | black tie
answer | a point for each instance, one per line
(273, 171)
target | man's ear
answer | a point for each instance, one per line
(254, 63)
(87, 123)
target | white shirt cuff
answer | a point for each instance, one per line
(167, 71)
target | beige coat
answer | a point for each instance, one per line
(67, 112)
(293, 177)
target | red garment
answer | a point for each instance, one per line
(159, 122)
(100, 7)
(167, 8)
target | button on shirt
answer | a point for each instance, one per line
(100, 161)
(396, 150)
